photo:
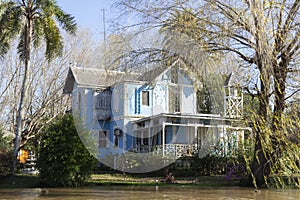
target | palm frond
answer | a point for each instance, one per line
(37, 32)
(50, 16)
(44, 15)
(21, 45)
(4, 44)
(66, 20)
(10, 25)
(54, 40)
(6, 4)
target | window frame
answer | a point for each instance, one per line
(103, 140)
(145, 98)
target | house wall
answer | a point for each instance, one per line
(160, 98)
(83, 105)
(118, 100)
(133, 101)
(88, 93)
(188, 100)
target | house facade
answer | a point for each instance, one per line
(154, 112)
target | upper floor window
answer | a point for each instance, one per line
(104, 100)
(145, 98)
(174, 99)
(79, 100)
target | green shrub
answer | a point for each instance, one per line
(63, 160)
(6, 155)
(209, 165)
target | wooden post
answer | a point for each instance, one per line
(163, 139)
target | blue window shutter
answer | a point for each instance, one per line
(137, 101)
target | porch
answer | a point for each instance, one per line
(178, 135)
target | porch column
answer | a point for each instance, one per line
(196, 136)
(225, 140)
(163, 138)
(149, 139)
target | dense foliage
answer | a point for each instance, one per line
(63, 159)
(5, 155)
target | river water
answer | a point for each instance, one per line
(149, 192)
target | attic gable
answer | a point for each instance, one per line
(173, 74)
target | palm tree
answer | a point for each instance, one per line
(31, 21)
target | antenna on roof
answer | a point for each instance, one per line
(104, 36)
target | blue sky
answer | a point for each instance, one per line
(88, 13)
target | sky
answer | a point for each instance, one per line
(88, 13)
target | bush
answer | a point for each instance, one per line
(63, 160)
(6, 155)
(209, 165)
(236, 169)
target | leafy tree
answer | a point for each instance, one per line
(31, 21)
(5, 155)
(63, 160)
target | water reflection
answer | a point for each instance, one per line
(144, 193)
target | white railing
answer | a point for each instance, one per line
(176, 150)
(182, 150)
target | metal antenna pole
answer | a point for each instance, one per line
(104, 37)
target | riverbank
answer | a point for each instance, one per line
(32, 181)
(124, 179)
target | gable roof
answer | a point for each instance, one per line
(152, 74)
(95, 78)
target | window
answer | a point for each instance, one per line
(145, 98)
(79, 104)
(174, 99)
(103, 139)
(78, 100)
(104, 100)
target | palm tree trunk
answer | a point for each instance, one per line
(24, 88)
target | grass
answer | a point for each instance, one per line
(20, 181)
(33, 181)
(123, 179)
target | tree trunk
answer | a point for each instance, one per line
(260, 166)
(279, 92)
(23, 96)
